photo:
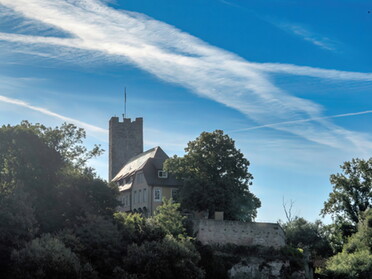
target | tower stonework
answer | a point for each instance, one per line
(125, 141)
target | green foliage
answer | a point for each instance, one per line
(169, 218)
(85, 195)
(45, 257)
(303, 234)
(215, 267)
(65, 140)
(18, 225)
(356, 265)
(352, 192)
(338, 233)
(46, 164)
(17, 220)
(362, 240)
(294, 255)
(215, 177)
(169, 258)
(26, 161)
(99, 243)
(135, 228)
(56, 216)
(157, 246)
(355, 260)
(131, 225)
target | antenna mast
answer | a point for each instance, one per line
(125, 103)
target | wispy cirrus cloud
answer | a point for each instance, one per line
(177, 57)
(88, 127)
(296, 29)
(305, 34)
(303, 120)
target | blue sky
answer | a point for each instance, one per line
(290, 81)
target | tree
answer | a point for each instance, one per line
(18, 225)
(215, 177)
(100, 244)
(352, 192)
(165, 259)
(46, 257)
(66, 140)
(303, 234)
(355, 260)
(156, 247)
(26, 161)
(49, 165)
(169, 218)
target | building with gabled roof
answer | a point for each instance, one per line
(141, 179)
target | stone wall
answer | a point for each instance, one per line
(248, 234)
(125, 142)
(254, 267)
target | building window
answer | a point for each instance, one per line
(140, 178)
(145, 195)
(162, 174)
(139, 196)
(157, 195)
(174, 194)
(134, 197)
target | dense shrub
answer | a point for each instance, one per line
(46, 257)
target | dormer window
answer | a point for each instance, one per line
(162, 174)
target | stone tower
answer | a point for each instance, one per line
(125, 141)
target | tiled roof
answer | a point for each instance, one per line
(136, 163)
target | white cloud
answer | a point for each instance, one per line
(305, 34)
(178, 57)
(88, 127)
(302, 120)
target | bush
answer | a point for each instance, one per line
(350, 266)
(355, 260)
(169, 217)
(169, 258)
(45, 257)
(99, 242)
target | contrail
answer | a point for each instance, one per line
(84, 125)
(301, 121)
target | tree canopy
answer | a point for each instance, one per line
(45, 185)
(215, 177)
(352, 192)
(304, 234)
(355, 260)
(57, 221)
